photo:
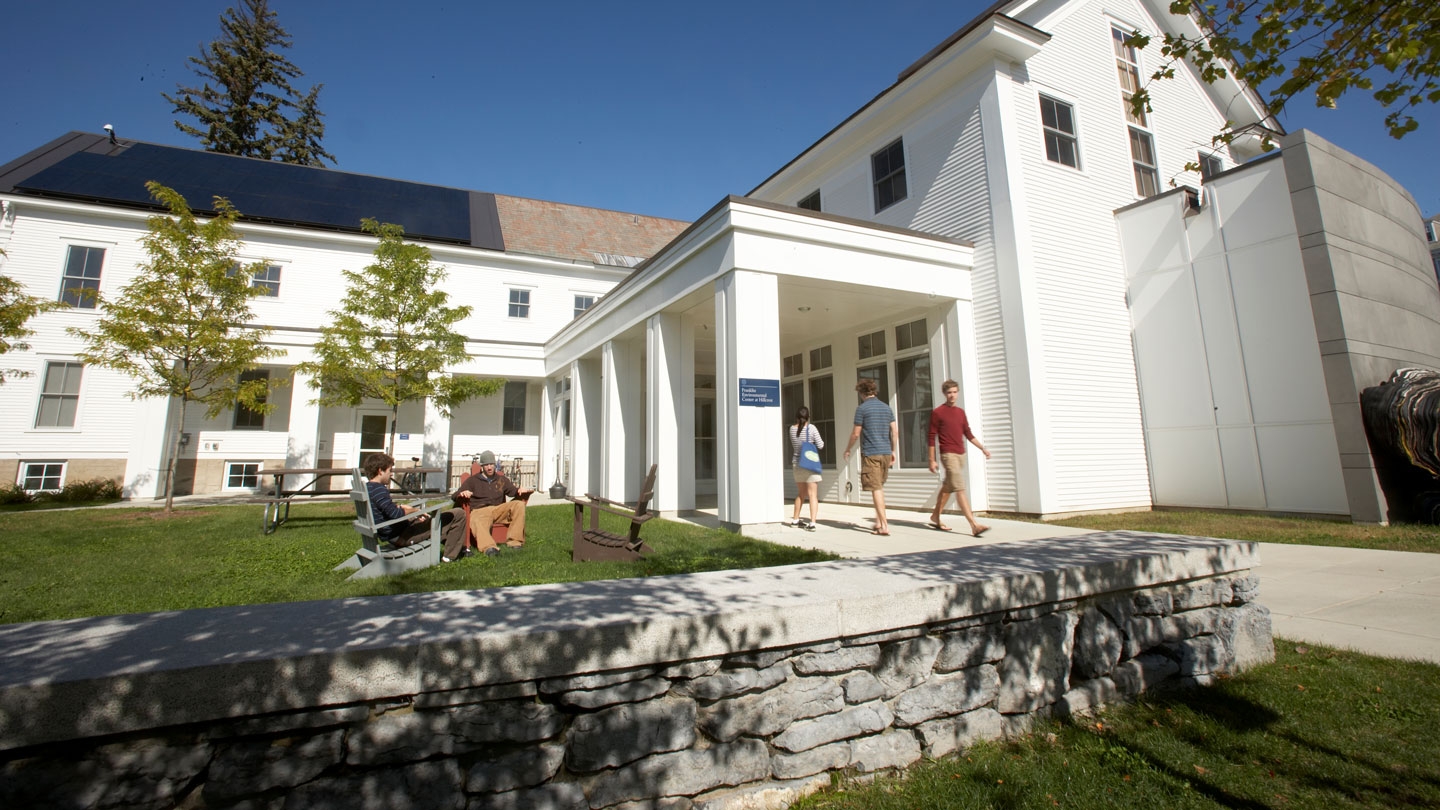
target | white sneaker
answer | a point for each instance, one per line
(809, 526)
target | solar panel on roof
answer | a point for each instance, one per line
(261, 190)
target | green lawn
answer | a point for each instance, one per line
(1316, 729)
(95, 562)
(1267, 529)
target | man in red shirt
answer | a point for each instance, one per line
(949, 424)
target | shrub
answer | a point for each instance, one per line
(96, 489)
(13, 494)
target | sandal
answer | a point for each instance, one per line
(939, 527)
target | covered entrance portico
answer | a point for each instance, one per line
(794, 303)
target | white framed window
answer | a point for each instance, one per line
(914, 390)
(42, 476)
(246, 418)
(811, 202)
(1057, 122)
(792, 365)
(1142, 157)
(582, 303)
(1127, 67)
(871, 345)
(519, 303)
(268, 279)
(59, 395)
(242, 474)
(887, 171)
(80, 284)
(512, 417)
(1210, 165)
(820, 358)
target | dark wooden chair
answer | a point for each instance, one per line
(377, 558)
(595, 544)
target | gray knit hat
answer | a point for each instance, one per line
(487, 457)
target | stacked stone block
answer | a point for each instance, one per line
(751, 729)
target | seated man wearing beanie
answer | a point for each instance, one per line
(487, 491)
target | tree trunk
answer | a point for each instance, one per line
(174, 456)
(394, 420)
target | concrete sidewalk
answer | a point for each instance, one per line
(1379, 602)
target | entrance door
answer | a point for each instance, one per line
(372, 430)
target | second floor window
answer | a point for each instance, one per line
(888, 170)
(812, 202)
(1057, 119)
(268, 279)
(582, 303)
(1142, 154)
(519, 303)
(81, 284)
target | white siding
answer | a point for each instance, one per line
(311, 284)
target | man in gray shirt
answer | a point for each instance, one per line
(878, 436)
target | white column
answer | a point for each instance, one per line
(750, 485)
(303, 437)
(545, 470)
(149, 443)
(961, 365)
(622, 444)
(665, 401)
(584, 390)
(436, 451)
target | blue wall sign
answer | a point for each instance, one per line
(404, 437)
(759, 393)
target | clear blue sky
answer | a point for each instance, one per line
(650, 107)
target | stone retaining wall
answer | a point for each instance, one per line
(718, 690)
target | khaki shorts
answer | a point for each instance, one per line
(804, 476)
(954, 466)
(874, 471)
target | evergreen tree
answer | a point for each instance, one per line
(393, 338)
(246, 104)
(179, 329)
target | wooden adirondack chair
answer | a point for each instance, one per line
(595, 544)
(375, 557)
(499, 532)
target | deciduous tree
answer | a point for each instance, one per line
(393, 339)
(1287, 49)
(181, 328)
(16, 309)
(245, 104)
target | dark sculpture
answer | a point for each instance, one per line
(1402, 422)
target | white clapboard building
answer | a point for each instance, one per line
(1126, 333)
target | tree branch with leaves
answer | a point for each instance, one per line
(16, 309)
(1287, 49)
(182, 328)
(394, 338)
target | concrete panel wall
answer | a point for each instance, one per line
(1372, 289)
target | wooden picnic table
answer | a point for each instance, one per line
(406, 481)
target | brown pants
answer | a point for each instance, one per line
(510, 513)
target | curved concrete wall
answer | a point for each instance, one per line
(1372, 289)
